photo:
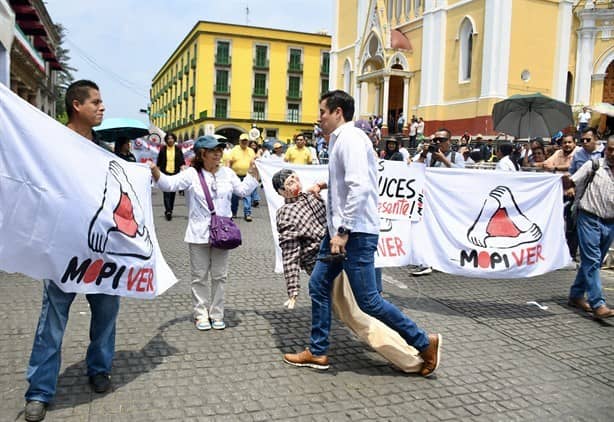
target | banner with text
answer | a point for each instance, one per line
(491, 224)
(73, 212)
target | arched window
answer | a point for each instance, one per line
(466, 50)
(347, 76)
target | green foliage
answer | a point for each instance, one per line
(64, 76)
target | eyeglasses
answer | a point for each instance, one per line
(587, 139)
(440, 139)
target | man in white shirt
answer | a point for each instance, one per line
(351, 240)
(584, 118)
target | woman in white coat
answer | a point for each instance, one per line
(207, 262)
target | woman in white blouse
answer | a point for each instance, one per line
(205, 261)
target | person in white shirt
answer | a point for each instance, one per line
(505, 163)
(205, 261)
(351, 240)
(584, 118)
(277, 154)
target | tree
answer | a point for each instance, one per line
(64, 76)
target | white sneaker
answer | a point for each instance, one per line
(218, 324)
(422, 271)
(203, 324)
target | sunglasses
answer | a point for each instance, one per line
(586, 139)
(440, 139)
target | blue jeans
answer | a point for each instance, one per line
(45, 360)
(358, 265)
(594, 238)
(247, 203)
(255, 196)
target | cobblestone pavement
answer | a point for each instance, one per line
(502, 359)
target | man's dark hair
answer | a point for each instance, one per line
(506, 148)
(340, 99)
(80, 91)
(120, 142)
(280, 177)
(168, 135)
(590, 129)
(443, 129)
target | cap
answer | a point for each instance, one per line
(363, 125)
(277, 145)
(244, 137)
(478, 136)
(207, 142)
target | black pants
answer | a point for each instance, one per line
(169, 201)
(571, 233)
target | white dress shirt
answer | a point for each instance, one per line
(221, 187)
(505, 164)
(352, 182)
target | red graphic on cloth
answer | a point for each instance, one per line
(124, 216)
(501, 225)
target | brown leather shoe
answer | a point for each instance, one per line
(579, 303)
(603, 312)
(305, 358)
(431, 355)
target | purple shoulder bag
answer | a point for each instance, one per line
(223, 232)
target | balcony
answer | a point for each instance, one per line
(261, 64)
(193, 63)
(174, 102)
(185, 95)
(221, 89)
(180, 74)
(179, 99)
(203, 115)
(294, 67)
(193, 91)
(261, 93)
(222, 60)
(185, 69)
(294, 94)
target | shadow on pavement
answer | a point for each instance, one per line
(347, 353)
(73, 388)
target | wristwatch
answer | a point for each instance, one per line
(342, 231)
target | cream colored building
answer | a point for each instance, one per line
(449, 61)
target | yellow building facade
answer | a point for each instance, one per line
(231, 79)
(450, 61)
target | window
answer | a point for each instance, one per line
(293, 112)
(259, 110)
(260, 84)
(325, 63)
(295, 60)
(222, 55)
(324, 86)
(466, 50)
(271, 133)
(221, 81)
(294, 87)
(261, 56)
(221, 108)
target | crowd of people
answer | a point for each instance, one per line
(339, 236)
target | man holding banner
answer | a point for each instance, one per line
(85, 110)
(352, 235)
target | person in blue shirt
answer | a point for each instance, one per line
(590, 149)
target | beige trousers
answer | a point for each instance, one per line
(209, 268)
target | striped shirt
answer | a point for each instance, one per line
(599, 196)
(301, 224)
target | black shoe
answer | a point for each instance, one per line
(168, 215)
(101, 383)
(255, 204)
(35, 410)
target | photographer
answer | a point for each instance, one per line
(438, 152)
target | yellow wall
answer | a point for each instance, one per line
(346, 14)
(533, 46)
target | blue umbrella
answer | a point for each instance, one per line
(111, 129)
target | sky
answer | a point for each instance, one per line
(121, 44)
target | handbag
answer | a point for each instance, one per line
(223, 232)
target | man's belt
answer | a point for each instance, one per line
(603, 220)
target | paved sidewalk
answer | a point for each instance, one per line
(502, 358)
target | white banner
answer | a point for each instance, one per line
(400, 187)
(73, 212)
(491, 224)
(394, 241)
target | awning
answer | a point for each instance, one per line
(399, 41)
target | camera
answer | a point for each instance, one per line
(433, 148)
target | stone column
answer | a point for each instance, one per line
(385, 106)
(378, 98)
(357, 101)
(496, 52)
(584, 60)
(561, 60)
